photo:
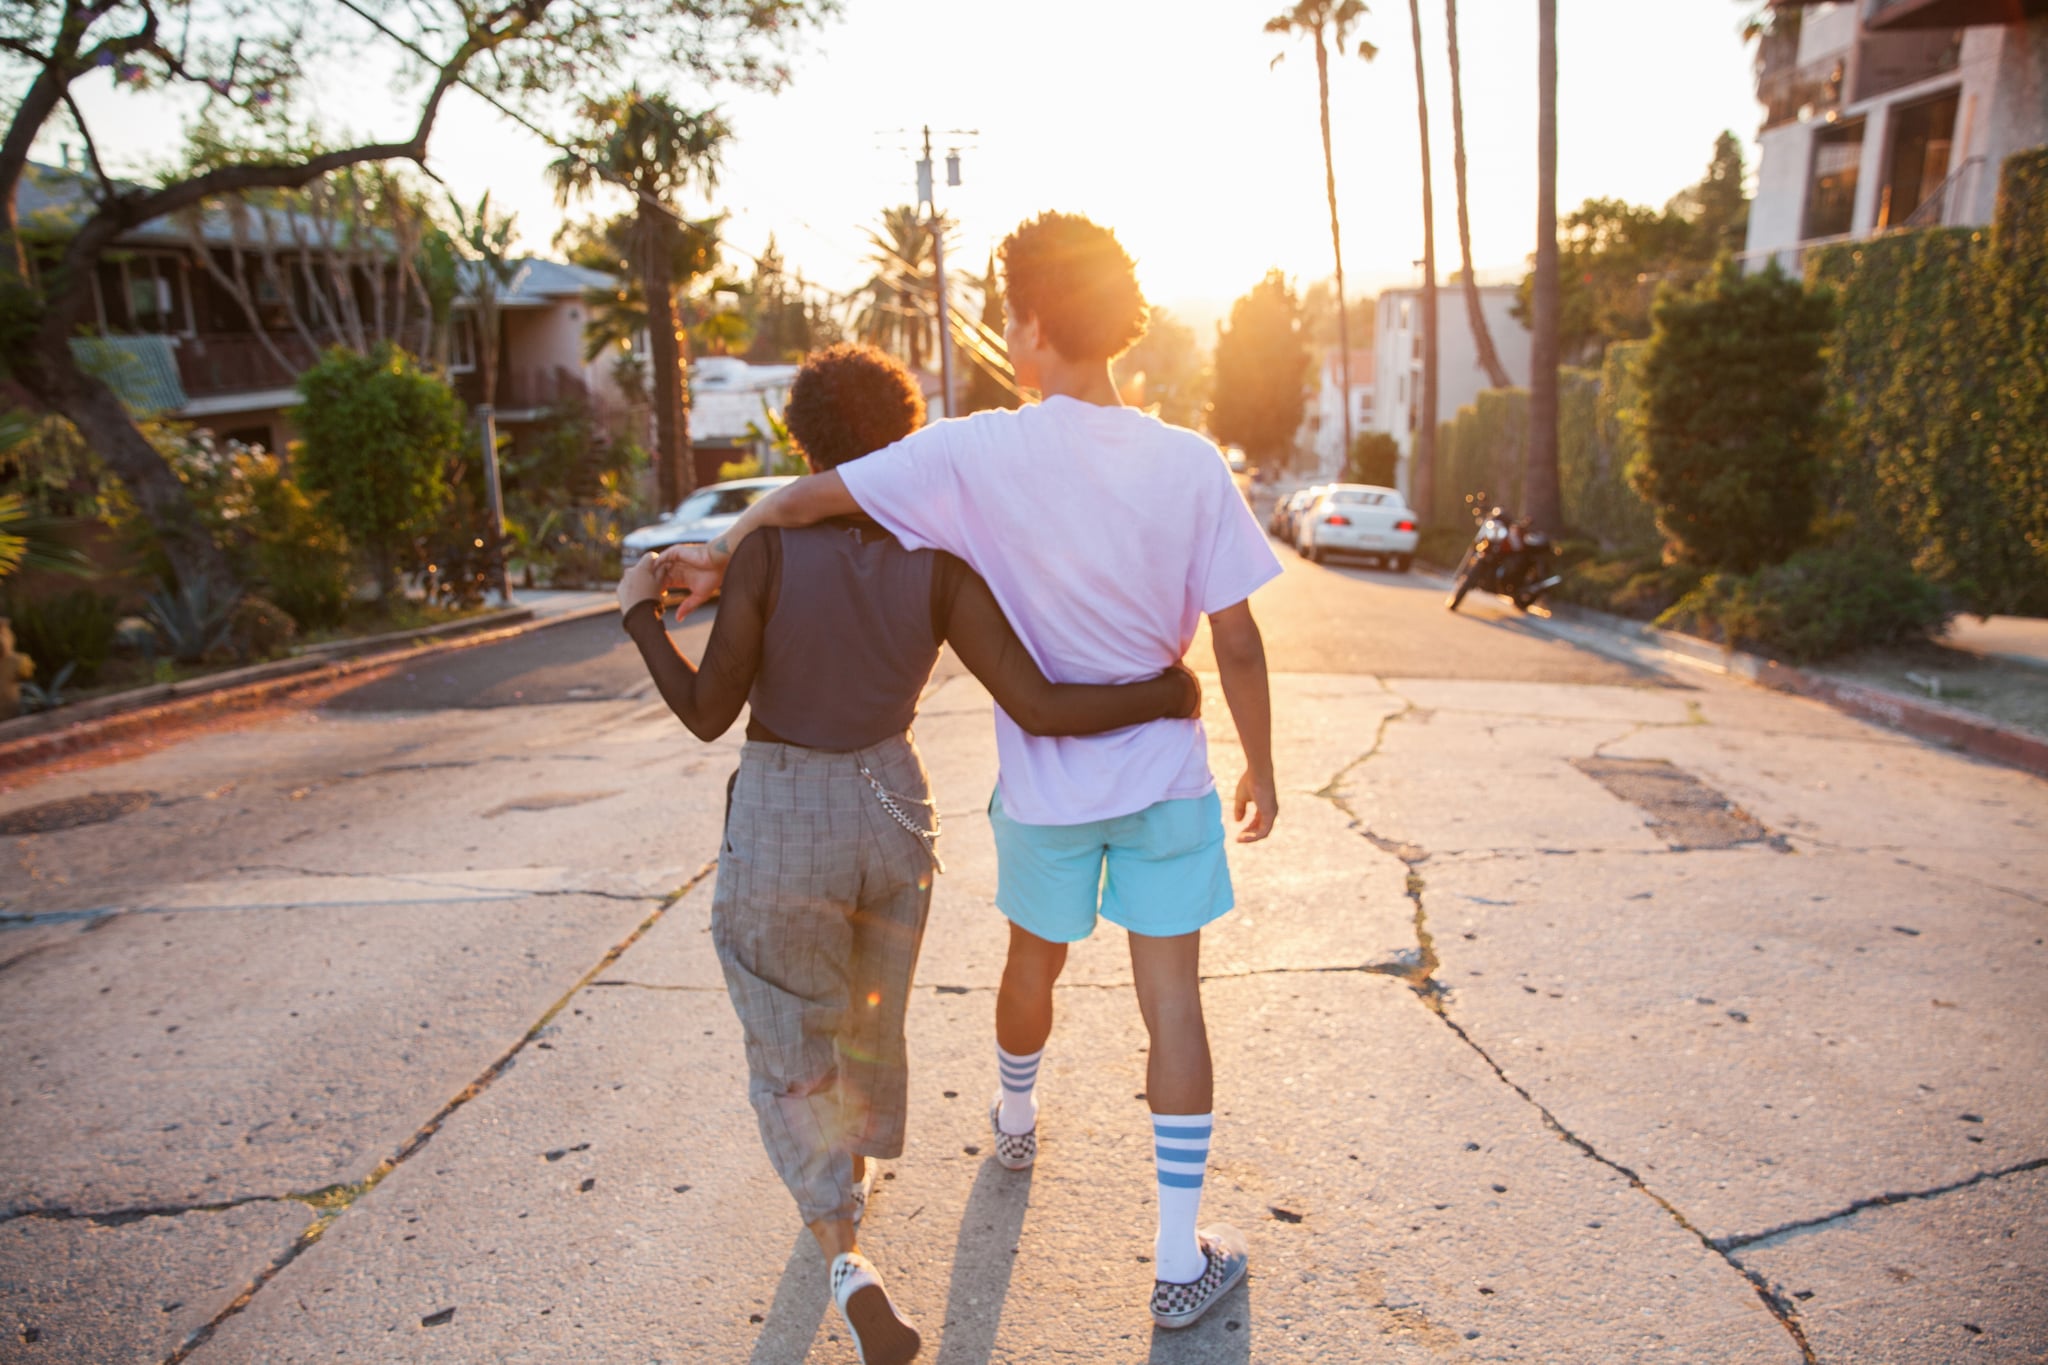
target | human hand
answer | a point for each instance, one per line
(639, 584)
(1264, 804)
(697, 569)
(1191, 691)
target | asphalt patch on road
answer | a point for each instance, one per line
(1684, 812)
(95, 808)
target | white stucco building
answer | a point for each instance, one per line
(1888, 114)
(1322, 427)
(1397, 351)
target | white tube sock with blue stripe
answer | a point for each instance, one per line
(1020, 1099)
(1181, 1147)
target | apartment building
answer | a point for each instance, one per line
(1397, 350)
(1322, 428)
(1881, 115)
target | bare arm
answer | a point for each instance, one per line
(979, 632)
(1241, 660)
(700, 569)
(707, 699)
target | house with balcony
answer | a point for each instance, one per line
(1882, 115)
(1397, 351)
(211, 318)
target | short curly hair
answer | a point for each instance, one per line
(848, 401)
(1078, 281)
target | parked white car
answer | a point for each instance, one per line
(1358, 519)
(702, 515)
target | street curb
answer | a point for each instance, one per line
(239, 690)
(1929, 720)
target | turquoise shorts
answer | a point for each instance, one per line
(1159, 872)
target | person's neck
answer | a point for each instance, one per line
(1091, 383)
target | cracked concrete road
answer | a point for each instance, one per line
(389, 1028)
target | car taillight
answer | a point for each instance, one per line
(1404, 526)
(1336, 519)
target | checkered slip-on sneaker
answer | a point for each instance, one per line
(863, 1188)
(1179, 1305)
(881, 1334)
(1015, 1150)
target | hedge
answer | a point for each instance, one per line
(1482, 451)
(1939, 363)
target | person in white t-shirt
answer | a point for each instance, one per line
(1106, 536)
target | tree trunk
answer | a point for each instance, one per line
(686, 458)
(1482, 337)
(665, 362)
(1423, 480)
(1336, 250)
(53, 377)
(1544, 509)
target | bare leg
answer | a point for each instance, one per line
(836, 1237)
(1168, 973)
(1024, 1004)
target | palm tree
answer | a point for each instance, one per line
(899, 303)
(1541, 490)
(1422, 480)
(1316, 18)
(647, 144)
(1482, 338)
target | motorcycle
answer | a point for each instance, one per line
(1508, 559)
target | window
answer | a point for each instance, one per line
(1923, 135)
(1831, 192)
(462, 344)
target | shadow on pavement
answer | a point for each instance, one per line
(984, 1255)
(799, 1307)
(1222, 1337)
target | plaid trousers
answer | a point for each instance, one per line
(817, 917)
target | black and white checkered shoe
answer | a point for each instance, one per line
(1015, 1150)
(881, 1334)
(1179, 1305)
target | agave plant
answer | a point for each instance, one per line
(46, 696)
(29, 541)
(194, 621)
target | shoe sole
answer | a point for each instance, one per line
(1174, 1323)
(880, 1336)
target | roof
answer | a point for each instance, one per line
(52, 199)
(540, 282)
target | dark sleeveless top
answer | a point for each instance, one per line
(850, 641)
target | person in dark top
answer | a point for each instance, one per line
(830, 633)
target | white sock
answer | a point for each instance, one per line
(1181, 1148)
(1019, 1076)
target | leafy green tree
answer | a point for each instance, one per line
(378, 438)
(654, 148)
(1733, 417)
(244, 66)
(1165, 370)
(899, 304)
(1262, 369)
(1328, 24)
(1375, 457)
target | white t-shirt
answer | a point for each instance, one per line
(1106, 535)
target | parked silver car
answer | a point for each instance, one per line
(702, 515)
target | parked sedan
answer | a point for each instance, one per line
(1287, 513)
(1358, 519)
(702, 515)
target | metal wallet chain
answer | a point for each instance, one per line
(891, 803)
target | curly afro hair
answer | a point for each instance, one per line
(1080, 284)
(848, 401)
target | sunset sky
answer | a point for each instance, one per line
(1160, 118)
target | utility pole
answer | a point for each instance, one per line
(927, 197)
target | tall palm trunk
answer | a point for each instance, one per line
(1423, 481)
(672, 473)
(1336, 245)
(1482, 337)
(1544, 503)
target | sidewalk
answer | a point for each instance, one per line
(2021, 639)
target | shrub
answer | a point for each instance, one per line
(75, 627)
(258, 629)
(1938, 360)
(1375, 456)
(1732, 417)
(1638, 586)
(379, 436)
(1823, 601)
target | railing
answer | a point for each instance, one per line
(1933, 210)
(239, 363)
(544, 386)
(1791, 93)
